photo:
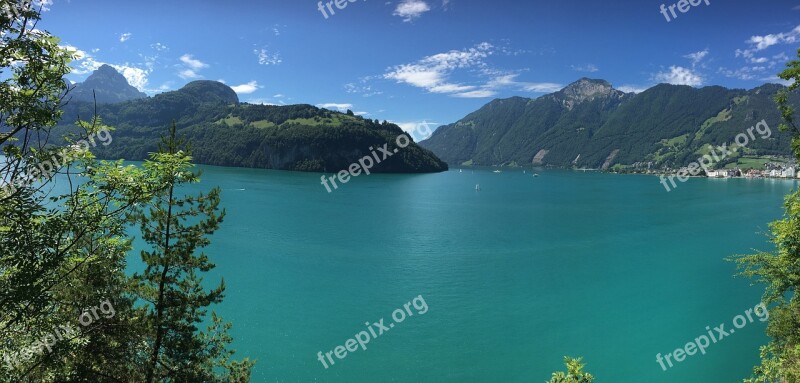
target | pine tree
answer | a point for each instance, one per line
(177, 228)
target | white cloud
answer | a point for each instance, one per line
(419, 130)
(679, 76)
(760, 43)
(125, 37)
(187, 74)
(633, 88)
(159, 47)
(480, 93)
(193, 63)
(411, 9)
(265, 58)
(697, 57)
(85, 63)
(778, 80)
(335, 106)
(756, 60)
(191, 67)
(43, 4)
(137, 77)
(591, 68)
(76, 53)
(247, 88)
(543, 87)
(432, 73)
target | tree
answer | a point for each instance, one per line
(60, 252)
(779, 271)
(176, 228)
(64, 238)
(574, 373)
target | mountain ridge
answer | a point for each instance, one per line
(590, 124)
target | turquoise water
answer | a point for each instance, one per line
(515, 276)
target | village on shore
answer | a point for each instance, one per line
(782, 169)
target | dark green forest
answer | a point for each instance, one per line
(222, 131)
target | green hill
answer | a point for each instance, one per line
(225, 132)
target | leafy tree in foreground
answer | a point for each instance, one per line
(64, 239)
(176, 228)
(574, 373)
(780, 271)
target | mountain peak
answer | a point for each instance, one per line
(211, 91)
(105, 70)
(584, 89)
(107, 86)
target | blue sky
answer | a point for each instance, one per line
(410, 61)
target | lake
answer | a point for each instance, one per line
(514, 277)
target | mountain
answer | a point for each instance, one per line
(591, 124)
(222, 131)
(109, 87)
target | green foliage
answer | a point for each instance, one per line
(642, 127)
(176, 229)
(225, 133)
(574, 373)
(780, 271)
(61, 254)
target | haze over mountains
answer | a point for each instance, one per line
(590, 124)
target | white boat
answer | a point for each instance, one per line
(478, 187)
(498, 171)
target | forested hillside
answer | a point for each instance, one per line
(225, 132)
(590, 124)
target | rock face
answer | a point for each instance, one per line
(586, 90)
(109, 87)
